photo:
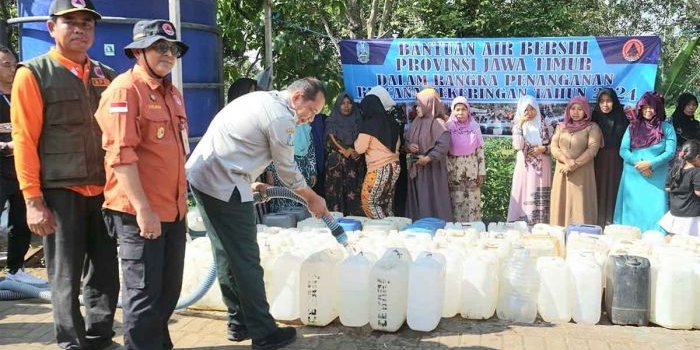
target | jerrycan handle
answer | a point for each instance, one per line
(633, 261)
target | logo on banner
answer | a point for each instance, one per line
(362, 49)
(633, 50)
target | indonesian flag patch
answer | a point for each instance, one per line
(118, 107)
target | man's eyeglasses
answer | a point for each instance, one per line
(162, 48)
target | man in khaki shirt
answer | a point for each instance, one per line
(241, 141)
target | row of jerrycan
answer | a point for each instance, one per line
(478, 283)
(585, 293)
(395, 289)
(661, 284)
(645, 278)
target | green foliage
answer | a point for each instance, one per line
(495, 194)
(8, 9)
(671, 80)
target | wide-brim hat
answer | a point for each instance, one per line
(148, 32)
(62, 7)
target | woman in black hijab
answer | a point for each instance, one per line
(687, 128)
(610, 116)
(345, 168)
(240, 87)
(379, 141)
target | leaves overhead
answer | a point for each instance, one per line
(306, 34)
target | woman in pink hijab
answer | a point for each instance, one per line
(427, 143)
(575, 143)
(466, 169)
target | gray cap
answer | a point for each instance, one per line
(148, 32)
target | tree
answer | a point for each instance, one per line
(307, 35)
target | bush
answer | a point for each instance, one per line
(500, 163)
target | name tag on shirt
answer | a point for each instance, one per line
(100, 82)
(290, 136)
(185, 139)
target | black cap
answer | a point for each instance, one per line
(148, 32)
(62, 7)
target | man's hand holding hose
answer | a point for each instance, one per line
(315, 203)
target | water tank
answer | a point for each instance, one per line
(202, 70)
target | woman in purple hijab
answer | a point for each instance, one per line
(647, 147)
(466, 169)
(575, 143)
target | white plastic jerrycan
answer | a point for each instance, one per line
(585, 288)
(318, 287)
(195, 223)
(354, 289)
(619, 232)
(284, 286)
(453, 284)
(479, 285)
(426, 288)
(199, 259)
(696, 279)
(518, 288)
(553, 300)
(388, 290)
(674, 293)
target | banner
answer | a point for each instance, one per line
(500, 70)
(492, 73)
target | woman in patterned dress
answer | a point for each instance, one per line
(466, 169)
(379, 142)
(532, 177)
(344, 167)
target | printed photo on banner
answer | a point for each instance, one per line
(492, 73)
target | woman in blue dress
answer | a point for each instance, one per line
(647, 147)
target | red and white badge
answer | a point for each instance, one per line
(177, 100)
(168, 29)
(98, 72)
(118, 107)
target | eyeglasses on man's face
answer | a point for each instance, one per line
(163, 47)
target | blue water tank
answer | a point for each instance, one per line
(202, 70)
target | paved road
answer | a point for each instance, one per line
(27, 325)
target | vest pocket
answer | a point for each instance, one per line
(63, 158)
(63, 100)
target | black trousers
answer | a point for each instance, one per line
(80, 247)
(233, 234)
(151, 279)
(19, 234)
